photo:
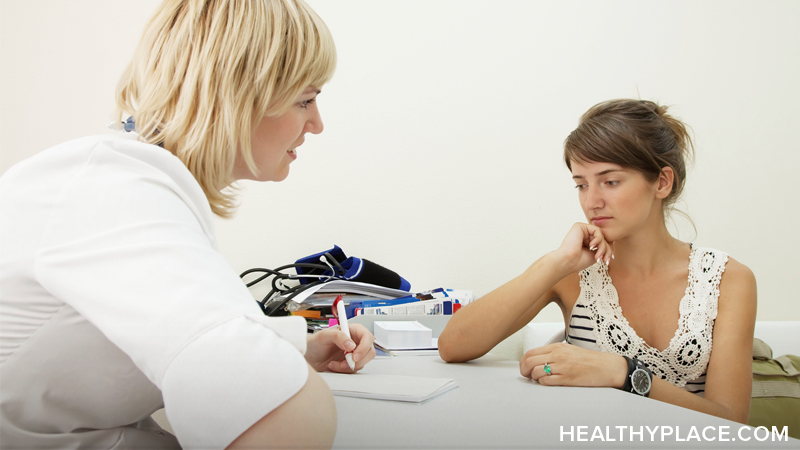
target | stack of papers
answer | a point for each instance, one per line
(402, 335)
(387, 387)
(351, 287)
(433, 350)
(405, 338)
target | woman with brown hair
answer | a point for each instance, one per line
(641, 308)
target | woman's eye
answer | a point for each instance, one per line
(580, 187)
(612, 182)
(305, 103)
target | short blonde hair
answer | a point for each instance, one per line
(206, 71)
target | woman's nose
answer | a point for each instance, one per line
(314, 125)
(593, 199)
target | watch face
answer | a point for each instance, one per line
(640, 381)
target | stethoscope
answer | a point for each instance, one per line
(280, 289)
(127, 126)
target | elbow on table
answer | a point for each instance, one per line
(446, 354)
(449, 350)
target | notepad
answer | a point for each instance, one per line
(431, 350)
(403, 335)
(398, 388)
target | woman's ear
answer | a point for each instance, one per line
(665, 182)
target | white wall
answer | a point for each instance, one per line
(441, 156)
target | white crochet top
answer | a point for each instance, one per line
(597, 322)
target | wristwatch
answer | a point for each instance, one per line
(639, 378)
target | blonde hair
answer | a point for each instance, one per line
(206, 71)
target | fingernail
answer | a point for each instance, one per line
(598, 260)
(612, 256)
(608, 260)
(593, 248)
(356, 357)
(349, 345)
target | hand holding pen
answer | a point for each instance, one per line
(327, 348)
(341, 315)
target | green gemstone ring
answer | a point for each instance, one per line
(547, 369)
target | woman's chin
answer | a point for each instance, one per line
(281, 176)
(275, 176)
(611, 235)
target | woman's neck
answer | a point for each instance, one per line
(648, 251)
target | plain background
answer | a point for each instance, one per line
(444, 123)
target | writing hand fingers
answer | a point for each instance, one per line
(334, 336)
(364, 358)
(365, 346)
(343, 342)
(339, 366)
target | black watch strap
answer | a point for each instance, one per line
(633, 365)
(628, 386)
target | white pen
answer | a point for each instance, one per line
(342, 316)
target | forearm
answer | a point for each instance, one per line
(669, 393)
(287, 425)
(482, 324)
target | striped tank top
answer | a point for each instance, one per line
(597, 323)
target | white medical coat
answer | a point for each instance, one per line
(114, 301)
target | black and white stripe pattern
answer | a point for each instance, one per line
(581, 333)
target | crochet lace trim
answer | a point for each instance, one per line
(686, 357)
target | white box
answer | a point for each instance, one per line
(399, 335)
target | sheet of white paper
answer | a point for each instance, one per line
(387, 387)
(434, 346)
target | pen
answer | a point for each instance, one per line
(338, 304)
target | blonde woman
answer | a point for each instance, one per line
(115, 301)
(644, 311)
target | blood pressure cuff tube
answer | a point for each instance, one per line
(356, 269)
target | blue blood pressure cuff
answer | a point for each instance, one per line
(351, 269)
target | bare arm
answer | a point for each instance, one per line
(481, 325)
(729, 378)
(729, 372)
(287, 425)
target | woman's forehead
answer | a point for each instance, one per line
(594, 168)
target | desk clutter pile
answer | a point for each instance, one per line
(366, 289)
(371, 300)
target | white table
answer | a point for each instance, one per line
(494, 407)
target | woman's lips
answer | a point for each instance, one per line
(600, 220)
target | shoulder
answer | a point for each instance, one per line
(127, 153)
(106, 182)
(738, 286)
(735, 269)
(94, 154)
(737, 276)
(127, 167)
